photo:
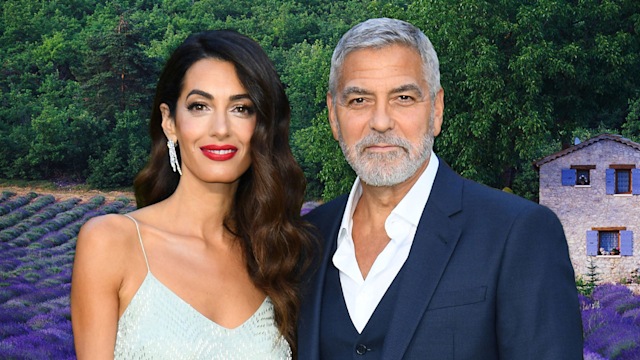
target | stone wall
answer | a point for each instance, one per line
(581, 208)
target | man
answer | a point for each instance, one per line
(419, 263)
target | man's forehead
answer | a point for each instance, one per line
(392, 67)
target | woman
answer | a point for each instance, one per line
(207, 266)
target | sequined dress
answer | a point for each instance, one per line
(158, 324)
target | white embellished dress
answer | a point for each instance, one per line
(158, 325)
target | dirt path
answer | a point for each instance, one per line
(63, 194)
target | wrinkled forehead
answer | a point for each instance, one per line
(395, 66)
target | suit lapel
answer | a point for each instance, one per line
(309, 323)
(436, 238)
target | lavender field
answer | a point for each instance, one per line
(37, 241)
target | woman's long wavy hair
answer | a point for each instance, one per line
(265, 215)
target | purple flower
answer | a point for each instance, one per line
(633, 315)
(589, 355)
(45, 344)
(13, 328)
(608, 293)
(42, 321)
(585, 302)
(610, 324)
(308, 206)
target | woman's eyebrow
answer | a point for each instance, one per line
(239, 97)
(210, 96)
(201, 93)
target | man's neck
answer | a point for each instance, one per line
(379, 201)
(374, 207)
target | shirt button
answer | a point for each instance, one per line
(361, 349)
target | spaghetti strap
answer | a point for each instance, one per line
(140, 238)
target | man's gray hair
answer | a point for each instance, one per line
(380, 33)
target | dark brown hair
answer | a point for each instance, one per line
(265, 215)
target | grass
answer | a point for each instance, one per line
(46, 186)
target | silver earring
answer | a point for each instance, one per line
(173, 157)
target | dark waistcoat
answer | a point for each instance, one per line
(339, 339)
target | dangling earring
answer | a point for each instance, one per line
(173, 157)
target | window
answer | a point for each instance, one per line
(582, 177)
(579, 175)
(623, 181)
(609, 241)
(620, 179)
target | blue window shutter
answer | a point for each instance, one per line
(611, 181)
(592, 243)
(626, 243)
(635, 181)
(568, 177)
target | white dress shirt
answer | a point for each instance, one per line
(361, 295)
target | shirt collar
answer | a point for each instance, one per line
(418, 195)
(347, 218)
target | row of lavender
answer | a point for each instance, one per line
(611, 323)
(37, 241)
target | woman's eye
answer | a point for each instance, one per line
(196, 107)
(244, 109)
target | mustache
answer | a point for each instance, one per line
(377, 138)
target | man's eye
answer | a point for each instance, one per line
(405, 100)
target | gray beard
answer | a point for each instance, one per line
(387, 169)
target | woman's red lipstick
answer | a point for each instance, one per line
(219, 152)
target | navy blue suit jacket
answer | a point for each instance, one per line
(488, 277)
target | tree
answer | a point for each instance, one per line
(37, 50)
(118, 79)
(116, 74)
(63, 133)
(520, 76)
(322, 154)
(127, 148)
(631, 128)
(306, 74)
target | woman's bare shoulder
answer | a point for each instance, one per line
(107, 226)
(108, 220)
(105, 254)
(109, 234)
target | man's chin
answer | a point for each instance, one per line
(383, 179)
(387, 173)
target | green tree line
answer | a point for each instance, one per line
(522, 79)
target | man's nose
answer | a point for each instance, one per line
(382, 119)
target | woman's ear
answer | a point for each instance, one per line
(168, 123)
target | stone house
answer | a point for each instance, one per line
(594, 188)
